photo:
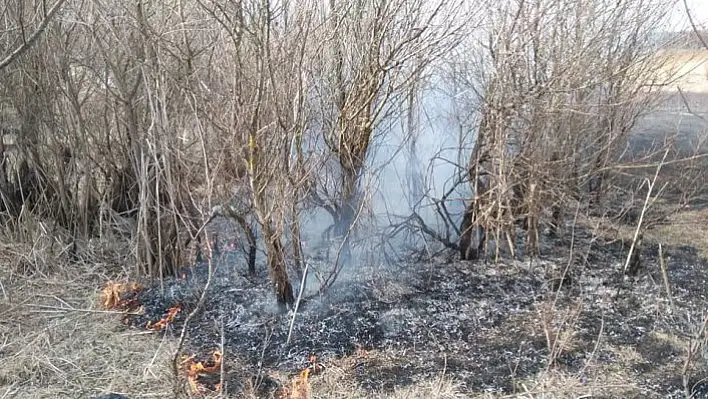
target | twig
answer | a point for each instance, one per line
(10, 391)
(193, 313)
(554, 342)
(597, 345)
(665, 277)
(332, 277)
(693, 25)
(60, 309)
(266, 342)
(222, 367)
(442, 375)
(4, 293)
(423, 227)
(29, 42)
(638, 230)
(148, 367)
(297, 303)
(688, 105)
(694, 346)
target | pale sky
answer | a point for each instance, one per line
(699, 13)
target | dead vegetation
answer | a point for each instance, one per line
(170, 169)
(58, 343)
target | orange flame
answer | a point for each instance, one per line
(195, 369)
(111, 294)
(314, 366)
(300, 385)
(165, 321)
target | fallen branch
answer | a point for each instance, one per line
(62, 309)
(297, 303)
(665, 277)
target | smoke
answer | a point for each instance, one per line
(422, 162)
(419, 157)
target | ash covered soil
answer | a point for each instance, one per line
(487, 325)
(496, 327)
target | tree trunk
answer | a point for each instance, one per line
(467, 250)
(250, 237)
(276, 269)
(349, 204)
(470, 229)
(347, 210)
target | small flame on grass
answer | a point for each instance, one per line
(299, 389)
(314, 366)
(112, 292)
(195, 369)
(300, 385)
(165, 321)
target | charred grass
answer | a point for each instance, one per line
(444, 329)
(440, 328)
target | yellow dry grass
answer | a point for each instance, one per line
(50, 352)
(685, 228)
(685, 69)
(337, 382)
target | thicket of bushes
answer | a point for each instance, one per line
(149, 114)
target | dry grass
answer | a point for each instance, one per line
(49, 351)
(52, 353)
(46, 352)
(338, 381)
(688, 68)
(559, 385)
(442, 388)
(685, 228)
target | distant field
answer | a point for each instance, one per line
(689, 68)
(683, 114)
(682, 118)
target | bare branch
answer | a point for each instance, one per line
(33, 38)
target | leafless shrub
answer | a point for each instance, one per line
(98, 102)
(555, 113)
(373, 56)
(112, 115)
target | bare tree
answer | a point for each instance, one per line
(266, 123)
(372, 57)
(556, 111)
(28, 39)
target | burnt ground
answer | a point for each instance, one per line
(482, 323)
(494, 327)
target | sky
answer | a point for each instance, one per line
(699, 13)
